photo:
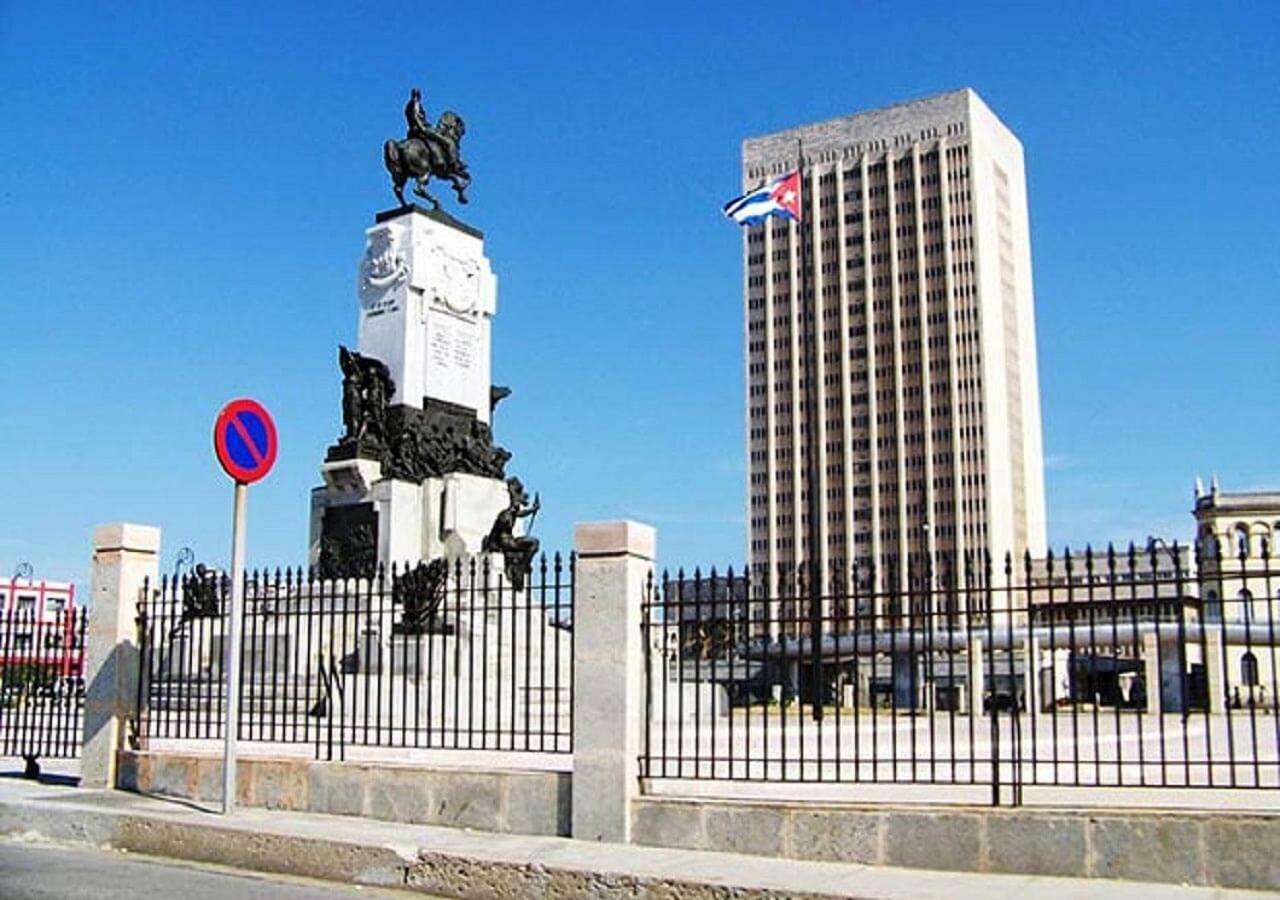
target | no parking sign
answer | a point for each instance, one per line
(244, 440)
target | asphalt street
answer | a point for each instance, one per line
(40, 871)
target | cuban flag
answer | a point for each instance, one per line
(780, 197)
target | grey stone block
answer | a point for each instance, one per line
(1147, 848)
(469, 801)
(127, 774)
(657, 823)
(209, 779)
(279, 784)
(943, 840)
(1037, 845)
(760, 830)
(173, 776)
(398, 795)
(833, 835)
(538, 803)
(1243, 853)
(337, 788)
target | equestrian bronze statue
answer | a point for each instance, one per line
(427, 151)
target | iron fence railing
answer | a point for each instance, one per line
(446, 656)
(1148, 668)
(42, 683)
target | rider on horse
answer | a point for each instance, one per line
(428, 151)
(420, 128)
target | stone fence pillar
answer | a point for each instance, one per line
(614, 561)
(124, 556)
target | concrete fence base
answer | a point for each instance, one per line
(508, 802)
(1213, 849)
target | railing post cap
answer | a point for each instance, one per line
(126, 536)
(620, 538)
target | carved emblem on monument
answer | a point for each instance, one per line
(459, 280)
(383, 266)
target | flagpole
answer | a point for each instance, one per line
(814, 420)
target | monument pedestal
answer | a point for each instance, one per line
(464, 508)
(427, 296)
(448, 516)
(417, 476)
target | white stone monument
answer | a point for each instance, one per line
(428, 481)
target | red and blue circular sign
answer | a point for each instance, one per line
(244, 438)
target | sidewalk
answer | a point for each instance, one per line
(464, 863)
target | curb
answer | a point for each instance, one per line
(430, 871)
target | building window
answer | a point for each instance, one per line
(1212, 608)
(26, 603)
(1245, 599)
(1249, 670)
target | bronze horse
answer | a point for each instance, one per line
(421, 159)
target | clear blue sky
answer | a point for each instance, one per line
(184, 188)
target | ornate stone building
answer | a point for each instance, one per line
(1240, 584)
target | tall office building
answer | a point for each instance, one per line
(917, 311)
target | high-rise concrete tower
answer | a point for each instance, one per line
(919, 311)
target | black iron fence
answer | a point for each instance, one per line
(42, 683)
(433, 656)
(1149, 668)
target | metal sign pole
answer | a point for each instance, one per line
(232, 654)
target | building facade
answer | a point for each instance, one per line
(40, 623)
(908, 286)
(1240, 587)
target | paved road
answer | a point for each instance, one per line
(37, 871)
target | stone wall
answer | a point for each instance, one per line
(505, 801)
(1220, 849)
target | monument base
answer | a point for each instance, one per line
(359, 518)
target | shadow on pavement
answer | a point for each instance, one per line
(44, 778)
